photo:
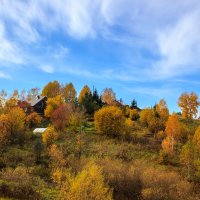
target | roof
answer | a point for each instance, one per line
(39, 130)
(36, 101)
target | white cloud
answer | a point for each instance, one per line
(60, 52)
(5, 76)
(48, 69)
(167, 28)
(179, 46)
(9, 51)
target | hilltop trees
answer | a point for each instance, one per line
(69, 93)
(162, 110)
(188, 103)
(108, 96)
(52, 89)
(85, 90)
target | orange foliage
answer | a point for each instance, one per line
(108, 96)
(52, 89)
(173, 129)
(85, 90)
(189, 105)
(33, 119)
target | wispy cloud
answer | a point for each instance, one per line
(171, 35)
(47, 68)
(5, 76)
(9, 51)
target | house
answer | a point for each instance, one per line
(38, 105)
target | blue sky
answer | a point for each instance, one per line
(143, 49)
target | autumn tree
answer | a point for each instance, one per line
(56, 157)
(109, 121)
(188, 103)
(3, 96)
(52, 105)
(196, 138)
(85, 90)
(108, 96)
(33, 94)
(162, 110)
(60, 116)
(69, 93)
(33, 119)
(15, 95)
(52, 89)
(146, 115)
(89, 184)
(4, 130)
(173, 129)
(50, 136)
(187, 157)
(16, 119)
(75, 120)
(10, 103)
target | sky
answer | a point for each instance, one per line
(144, 50)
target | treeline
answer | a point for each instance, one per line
(90, 145)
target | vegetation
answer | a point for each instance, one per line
(95, 147)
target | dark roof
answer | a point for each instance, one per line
(36, 101)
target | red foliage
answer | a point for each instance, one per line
(59, 117)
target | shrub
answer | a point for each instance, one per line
(89, 184)
(109, 121)
(19, 183)
(33, 120)
(50, 136)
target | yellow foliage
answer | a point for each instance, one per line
(11, 103)
(52, 89)
(167, 145)
(133, 114)
(162, 110)
(56, 156)
(189, 105)
(146, 115)
(173, 130)
(52, 105)
(50, 135)
(69, 92)
(108, 96)
(33, 119)
(196, 138)
(110, 121)
(84, 91)
(89, 184)
(4, 130)
(74, 121)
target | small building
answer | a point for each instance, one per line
(39, 130)
(39, 105)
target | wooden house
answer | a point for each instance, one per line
(39, 105)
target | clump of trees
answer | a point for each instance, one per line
(109, 121)
(57, 163)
